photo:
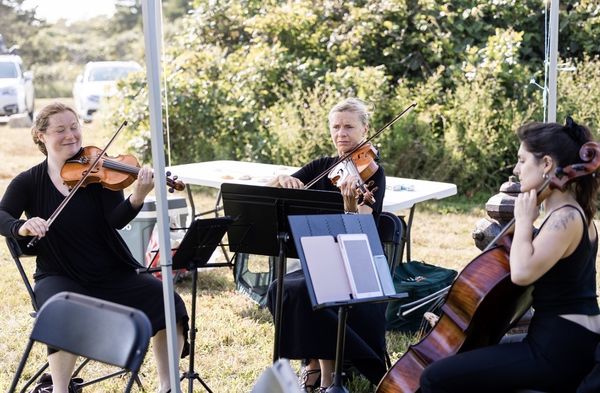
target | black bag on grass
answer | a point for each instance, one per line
(418, 279)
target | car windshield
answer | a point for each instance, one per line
(109, 73)
(8, 70)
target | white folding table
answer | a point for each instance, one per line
(400, 193)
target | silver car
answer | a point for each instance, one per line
(16, 87)
(98, 80)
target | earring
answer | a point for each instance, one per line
(545, 176)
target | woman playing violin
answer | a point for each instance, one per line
(311, 335)
(559, 261)
(82, 251)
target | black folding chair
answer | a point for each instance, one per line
(17, 254)
(392, 232)
(96, 329)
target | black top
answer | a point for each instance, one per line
(569, 287)
(314, 168)
(82, 243)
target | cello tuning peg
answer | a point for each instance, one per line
(171, 190)
(168, 173)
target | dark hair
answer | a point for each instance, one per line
(42, 121)
(563, 143)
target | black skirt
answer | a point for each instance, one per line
(143, 292)
(309, 334)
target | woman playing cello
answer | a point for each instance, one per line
(559, 261)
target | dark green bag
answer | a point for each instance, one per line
(418, 279)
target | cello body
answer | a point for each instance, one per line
(481, 305)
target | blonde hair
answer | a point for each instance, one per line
(42, 121)
(352, 105)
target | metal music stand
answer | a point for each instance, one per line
(333, 225)
(262, 227)
(194, 252)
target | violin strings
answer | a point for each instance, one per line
(120, 166)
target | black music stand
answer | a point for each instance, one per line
(194, 252)
(262, 227)
(333, 225)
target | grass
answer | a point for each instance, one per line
(234, 341)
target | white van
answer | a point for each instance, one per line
(16, 87)
(98, 80)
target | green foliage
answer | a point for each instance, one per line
(254, 80)
(579, 93)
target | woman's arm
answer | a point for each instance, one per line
(531, 258)
(14, 202)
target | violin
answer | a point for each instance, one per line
(362, 165)
(114, 173)
(101, 169)
(482, 304)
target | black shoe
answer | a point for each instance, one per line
(44, 385)
(309, 380)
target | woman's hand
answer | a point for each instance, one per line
(286, 181)
(526, 208)
(348, 189)
(142, 187)
(35, 226)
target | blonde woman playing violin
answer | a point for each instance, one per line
(311, 335)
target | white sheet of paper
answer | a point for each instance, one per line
(326, 268)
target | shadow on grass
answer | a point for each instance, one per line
(209, 280)
(254, 312)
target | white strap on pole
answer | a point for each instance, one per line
(152, 40)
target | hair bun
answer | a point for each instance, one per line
(575, 131)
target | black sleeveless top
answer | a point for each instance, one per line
(569, 287)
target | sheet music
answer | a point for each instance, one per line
(326, 268)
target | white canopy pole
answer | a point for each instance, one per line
(552, 69)
(151, 12)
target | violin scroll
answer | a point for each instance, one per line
(173, 183)
(590, 155)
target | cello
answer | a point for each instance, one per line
(482, 303)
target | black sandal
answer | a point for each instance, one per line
(304, 380)
(44, 385)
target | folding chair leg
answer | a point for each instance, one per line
(21, 366)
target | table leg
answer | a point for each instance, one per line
(408, 227)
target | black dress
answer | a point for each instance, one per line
(308, 334)
(82, 251)
(556, 353)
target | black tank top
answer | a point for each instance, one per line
(569, 287)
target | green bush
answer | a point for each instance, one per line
(254, 80)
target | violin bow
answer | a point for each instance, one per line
(72, 191)
(349, 154)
